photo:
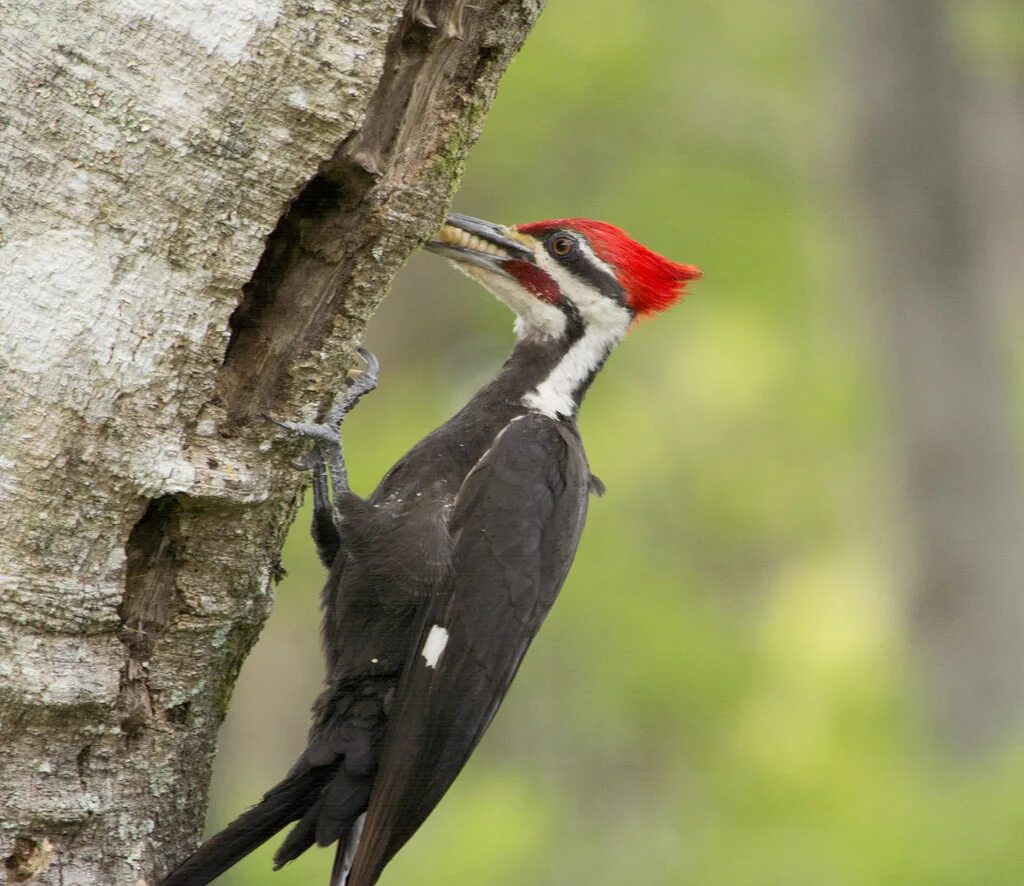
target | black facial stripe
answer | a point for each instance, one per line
(578, 263)
(595, 276)
(574, 328)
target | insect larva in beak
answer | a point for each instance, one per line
(464, 240)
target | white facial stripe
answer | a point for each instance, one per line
(596, 309)
(594, 306)
(434, 646)
(536, 318)
(605, 324)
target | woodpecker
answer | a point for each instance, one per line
(440, 579)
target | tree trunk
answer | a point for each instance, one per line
(156, 153)
(938, 313)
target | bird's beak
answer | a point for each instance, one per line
(481, 243)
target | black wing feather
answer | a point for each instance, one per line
(516, 526)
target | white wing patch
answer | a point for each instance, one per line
(437, 639)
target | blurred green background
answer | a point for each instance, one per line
(759, 671)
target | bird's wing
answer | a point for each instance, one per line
(515, 526)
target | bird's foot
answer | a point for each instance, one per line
(358, 384)
(326, 434)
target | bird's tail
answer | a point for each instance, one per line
(282, 804)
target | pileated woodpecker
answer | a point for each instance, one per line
(441, 578)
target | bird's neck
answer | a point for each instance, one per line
(552, 376)
(567, 378)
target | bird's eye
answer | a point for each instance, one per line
(562, 245)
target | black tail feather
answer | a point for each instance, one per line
(283, 804)
(344, 800)
(340, 802)
(300, 837)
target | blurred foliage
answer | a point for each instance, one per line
(722, 694)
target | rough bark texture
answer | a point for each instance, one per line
(153, 152)
(932, 254)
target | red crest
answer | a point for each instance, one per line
(651, 281)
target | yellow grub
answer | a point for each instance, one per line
(525, 239)
(454, 236)
(457, 237)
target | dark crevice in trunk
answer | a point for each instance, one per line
(302, 285)
(286, 306)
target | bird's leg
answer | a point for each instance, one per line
(325, 529)
(327, 456)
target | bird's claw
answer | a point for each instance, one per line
(371, 361)
(358, 384)
(362, 381)
(309, 461)
(327, 433)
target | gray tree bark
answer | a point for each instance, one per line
(155, 153)
(934, 255)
